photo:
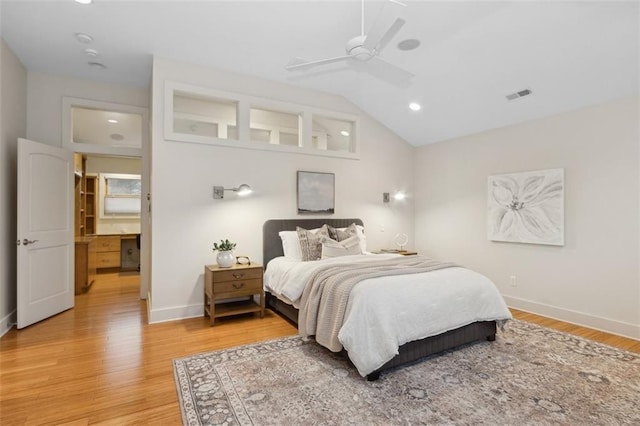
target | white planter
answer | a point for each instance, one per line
(225, 259)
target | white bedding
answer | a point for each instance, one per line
(385, 313)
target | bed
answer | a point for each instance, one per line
(407, 352)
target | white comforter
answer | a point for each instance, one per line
(385, 313)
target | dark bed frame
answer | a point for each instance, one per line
(409, 352)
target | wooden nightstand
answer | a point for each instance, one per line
(402, 252)
(235, 282)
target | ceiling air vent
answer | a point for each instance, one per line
(519, 94)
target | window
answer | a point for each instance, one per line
(94, 127)
(274, 127)
(121, 195)
(204, 116)
(214, 117)
(332, 134)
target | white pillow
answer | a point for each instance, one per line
(361, 237)
(291, 244)
(347, 247)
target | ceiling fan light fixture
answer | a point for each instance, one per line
(355, 49)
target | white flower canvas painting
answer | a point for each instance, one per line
(527, 207)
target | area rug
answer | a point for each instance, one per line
(529, 375)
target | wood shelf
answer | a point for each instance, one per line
(85, 198)
(235, 308)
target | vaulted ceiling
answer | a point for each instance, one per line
(471, 55)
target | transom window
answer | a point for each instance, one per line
(207, 116)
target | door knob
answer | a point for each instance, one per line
(27, 242)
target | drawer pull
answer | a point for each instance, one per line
(238, 276)
(238, 286)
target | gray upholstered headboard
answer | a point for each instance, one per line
(271, 242)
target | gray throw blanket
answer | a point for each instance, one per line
(325, 297)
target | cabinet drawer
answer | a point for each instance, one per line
(109, 243)
(238, 286)
(236, 274)
(108, 260)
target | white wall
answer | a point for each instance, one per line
(593, 280)
(44, 106)
(13, 124)
(187, 220)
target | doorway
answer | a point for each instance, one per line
(107, 217)
(113, 141)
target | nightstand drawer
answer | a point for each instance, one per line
(236, 275)
(238, 286)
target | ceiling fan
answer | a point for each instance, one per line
(363, 51)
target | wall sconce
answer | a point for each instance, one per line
(242, 190)
(396, 196)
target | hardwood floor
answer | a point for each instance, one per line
(599, 336)
(101, 363)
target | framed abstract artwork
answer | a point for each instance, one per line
(527, 207)
(316, 193)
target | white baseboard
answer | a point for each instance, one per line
(175, 313)
(7, 323)
(620, 328)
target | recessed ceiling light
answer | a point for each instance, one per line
(344, 133)
(84, 1)
(409, 44)
(97, 65)
(84, 38)
(414, 106)
(111, 120)
(91, 52)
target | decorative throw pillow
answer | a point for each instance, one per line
(340, 234)
(362, 237)
(310, 244)
(347, 247)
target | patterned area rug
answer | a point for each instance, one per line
(529, 375)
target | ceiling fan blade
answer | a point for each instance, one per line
(393, 30)
(299, 63)
(385, 71)
(387, 24)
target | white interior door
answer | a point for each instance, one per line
(45, 231)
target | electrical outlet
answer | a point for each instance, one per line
(381, 227)
(513, 281)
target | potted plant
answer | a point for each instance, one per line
(225, 253)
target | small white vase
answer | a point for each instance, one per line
(225, 259)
